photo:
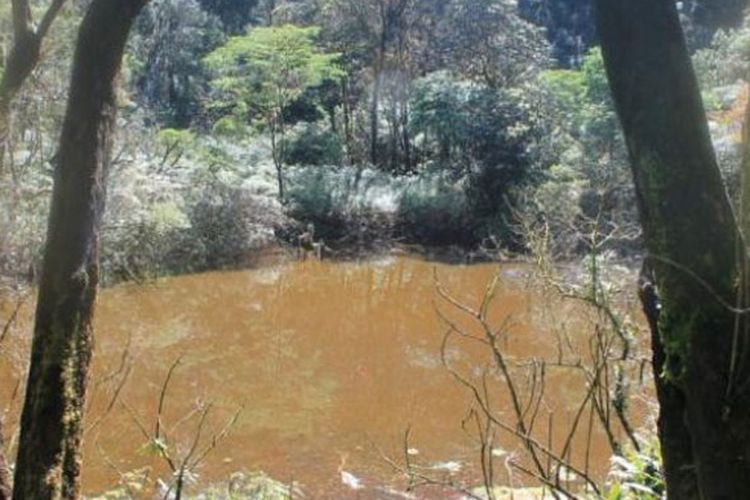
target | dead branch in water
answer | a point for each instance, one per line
(182, 466)
(605, 398)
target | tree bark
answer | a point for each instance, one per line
(674, 436)
(374, 112)
(378, 69)
(5, 490)
(693, 243)
(23, 56)
(349, 137)
(49, 456)
(745, 172)
(278, 155)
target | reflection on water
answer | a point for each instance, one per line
(331, 362)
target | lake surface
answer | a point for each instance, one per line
(332, 363)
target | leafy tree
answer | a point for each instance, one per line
(470, 42)
(234, 14)
(440, 115)
(462, 123)
(314, 145)
(374, 36)
(726, 59)
(571, 30)
(585, 179)
(584, 108)
(483, 135)
(261, 73)
(170, 38)
(569, 23)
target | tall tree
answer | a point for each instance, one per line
(49, 455)
(171, 37)
(234, 14)
(695, 252)
(263, 72)
(388, 15)
(23, 57)
(375, 29)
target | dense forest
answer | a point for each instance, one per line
(377, 122)
(599, 146)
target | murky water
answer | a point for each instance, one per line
(331, 364)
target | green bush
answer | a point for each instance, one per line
(313, 145)
(638, 475)
(323, 198)
(435, 213)
(226, 225)
(137, 248)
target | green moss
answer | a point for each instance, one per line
(676, 332)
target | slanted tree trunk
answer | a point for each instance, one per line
(693, 246)
(23, 57)
(49, 455)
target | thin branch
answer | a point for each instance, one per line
(163, 397)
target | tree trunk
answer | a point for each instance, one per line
(348, 136)
(376, 88)
(405, 136)
(49, 455)
(693, 244)
(277, 156)
(5, 490)
(374, 115)
(745, 172)
(22, 59)
(677, 451)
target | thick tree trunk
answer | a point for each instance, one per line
(693, 244)
(49, 457)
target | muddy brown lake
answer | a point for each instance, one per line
(328, 365)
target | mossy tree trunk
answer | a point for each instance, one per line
(694, 249)
(49, 455)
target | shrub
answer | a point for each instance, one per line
(138, 248)
(638, 475)
(323, 198)
(226, 225)
(435, 212)
(312, 144)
